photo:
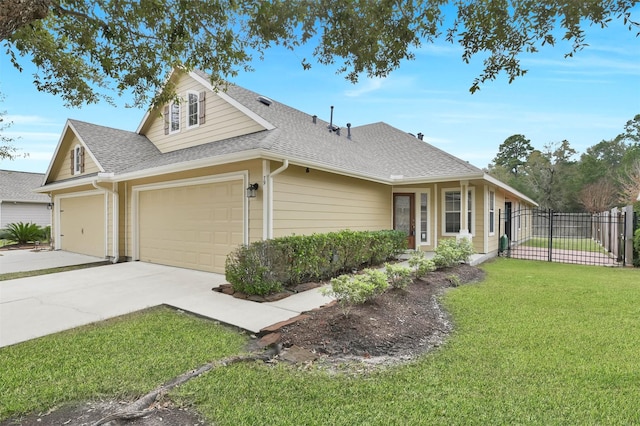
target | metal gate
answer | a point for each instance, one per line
(582, 238)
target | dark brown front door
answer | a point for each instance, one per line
(404, 217)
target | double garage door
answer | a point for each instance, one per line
(193, 226)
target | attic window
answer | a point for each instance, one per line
(174, 117)
(195, 108)
(77, 160)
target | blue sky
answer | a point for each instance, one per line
(584, 99)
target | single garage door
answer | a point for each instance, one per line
(82, 226)
(193, 226)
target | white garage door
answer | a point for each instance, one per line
(82, 226)
(193, 226)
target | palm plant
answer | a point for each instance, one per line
(23, 233)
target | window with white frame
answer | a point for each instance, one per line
(78, 159)
(174, 117)
(452, 205)
(193, 109)
(492, 212)
(424, 218)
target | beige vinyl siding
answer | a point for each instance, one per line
(62, 166)
(317, 202)
(255, 205)
(479, 216)
(222, 121)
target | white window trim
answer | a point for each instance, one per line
(171, 130)
(77, 163)
(188, 104)
(472, 191)
(491, 209)
(419, 229)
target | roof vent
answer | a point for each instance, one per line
(315, 119)
(420, 136)
(349, 130)
(264, 100)
(331, 127)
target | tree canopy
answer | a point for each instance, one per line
(84, 49)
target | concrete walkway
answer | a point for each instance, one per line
(33, 260)
(41, 305)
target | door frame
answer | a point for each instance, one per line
(411, 238)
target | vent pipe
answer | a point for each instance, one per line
(348, 130)
(331, 120)
(420, 136)
(338, 131)
(315, 119)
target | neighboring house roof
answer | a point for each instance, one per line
(19, 187)
(375, 151)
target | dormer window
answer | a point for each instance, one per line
(193, 106)
(174, 117)
(77, 160)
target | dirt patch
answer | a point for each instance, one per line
(89, 413)
(395, 327)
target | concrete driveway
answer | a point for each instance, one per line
(33, 260)
(36, 306)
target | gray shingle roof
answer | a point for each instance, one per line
(19, 186)
(377, 150)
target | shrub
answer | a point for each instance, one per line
(23, 233)
(357, 289)
(303, 258)
(247, 272)
(451, 252)
(420, 264)
(399, 276)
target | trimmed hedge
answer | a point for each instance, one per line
(265, 267)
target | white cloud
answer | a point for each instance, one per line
(34, 120)
(370, 85)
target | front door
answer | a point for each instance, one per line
(403, 217)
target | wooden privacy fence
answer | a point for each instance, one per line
(595, 239)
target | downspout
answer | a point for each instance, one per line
(116, 214)
(285, 165)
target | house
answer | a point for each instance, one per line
(218, 169)
(18, 201)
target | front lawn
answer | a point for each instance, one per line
(119, 358)
(535, 343)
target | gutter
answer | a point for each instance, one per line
(116, 209)
(285, 166)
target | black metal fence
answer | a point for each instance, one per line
(582, 238)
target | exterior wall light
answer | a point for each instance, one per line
(50, 206)
(252, 190)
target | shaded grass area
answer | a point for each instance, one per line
(581, 244)
(25, 274)
(536, 343)
(119, 358)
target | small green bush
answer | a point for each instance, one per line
(246, 271)
(399, 276)
(23, 233)
(420, 264)
(357, 289)
(451, 252)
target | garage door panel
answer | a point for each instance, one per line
(82, 225)
(197, 225)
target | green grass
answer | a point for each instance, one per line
(24, 274)
(119, 358)
(536, 343)
(582, 244)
